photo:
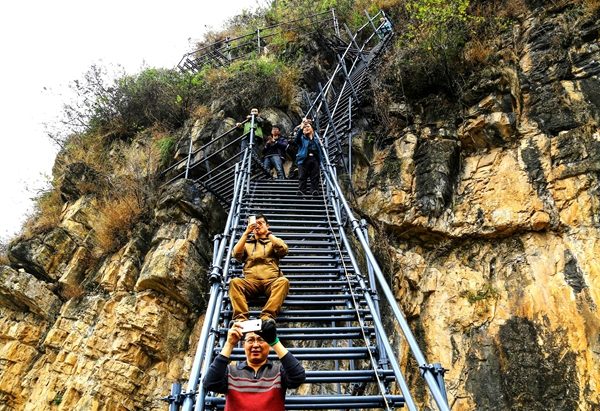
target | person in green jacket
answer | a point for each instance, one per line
(258, 129)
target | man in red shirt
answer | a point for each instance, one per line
(257, 383)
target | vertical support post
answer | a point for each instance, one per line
(249, 153)
(347, 77)
(353, 40)
(330, 121)
(258, 42)
(189, 159)
(175, 397)
(350, 140)
(438, 372)
(336, 26)
(372, 24)
(373, 285)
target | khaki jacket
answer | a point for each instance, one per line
(261, 257)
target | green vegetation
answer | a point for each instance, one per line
(58, 398)
(125, 105)
(166, 147)
(486, 292)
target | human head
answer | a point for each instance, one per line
(262, 226)
(254, 111)
(256, 349)
(276, 130)
(307, 128)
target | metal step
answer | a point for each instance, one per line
(326, 402)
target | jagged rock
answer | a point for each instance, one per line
(76, 180)
(179, 202)
(174, 266)
(23, 292)
(80, 217)
(45, 255)
(436, 172)
(120, 271)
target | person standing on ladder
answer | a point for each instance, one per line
(274, 152)
(257, 383)
(260, 252)
(307, 158)
(258, 124)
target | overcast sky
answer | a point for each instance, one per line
(44, 45)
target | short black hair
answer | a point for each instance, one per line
(263, 217)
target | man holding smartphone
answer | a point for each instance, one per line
(257, 383)
(260, 251)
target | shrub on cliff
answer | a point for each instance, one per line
(122, 106)
(262, 82)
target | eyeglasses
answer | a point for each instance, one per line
(254, 340)
(259, 222)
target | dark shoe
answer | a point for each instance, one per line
(315, 193)
(267, 320)
(301, 193)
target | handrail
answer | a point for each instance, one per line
(384, 286)
(203, 355)
(192, 153)
(255, 37)
(353, 223)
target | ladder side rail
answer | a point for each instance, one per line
(235, 211)
(380, 334)
(204, 147)
(389, 295)
(216, 276)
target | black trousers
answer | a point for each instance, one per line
(309, 169)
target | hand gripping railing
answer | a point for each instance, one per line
(428, 370)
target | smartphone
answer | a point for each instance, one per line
(252, 219)
(251, 325)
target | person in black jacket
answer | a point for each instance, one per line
(257, 383)
(274, 152)
(307, 158)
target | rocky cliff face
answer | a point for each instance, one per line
(493, 215)
(491, 221)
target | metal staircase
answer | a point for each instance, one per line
(326, 317)
(331, 319)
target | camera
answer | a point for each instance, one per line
(251, 325)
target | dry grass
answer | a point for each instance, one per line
(592, 6)
(116, 219)
(477, 52)
(288, 81)
(47, 214)
(202, 113)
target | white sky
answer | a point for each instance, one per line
(50, 43)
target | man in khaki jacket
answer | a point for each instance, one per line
(260, 252)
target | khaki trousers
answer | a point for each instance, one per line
(243, 289)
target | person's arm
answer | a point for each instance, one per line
(280, 248)
(292, 372)
(216, 376)
(238, 248)
(299, 135)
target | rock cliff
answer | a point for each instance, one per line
(484, 211)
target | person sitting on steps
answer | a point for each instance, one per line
(307, 158)
(260, 251)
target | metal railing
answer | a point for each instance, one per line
(328, 108)
(228, 50)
